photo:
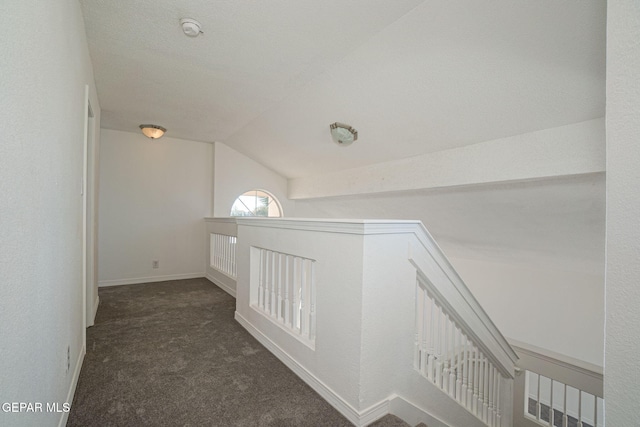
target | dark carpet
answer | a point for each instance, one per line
(171, 354)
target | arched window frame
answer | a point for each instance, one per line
(244, 205)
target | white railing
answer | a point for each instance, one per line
(223, 254)
(556, 390)
(337, 302)
(221, 263)
(286, 292)
(447, 356)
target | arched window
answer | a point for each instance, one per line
(256, 203)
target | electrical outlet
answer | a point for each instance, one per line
(156, 263)
(68, 358)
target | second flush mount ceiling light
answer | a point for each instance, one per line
(343, 134)
(191, 27)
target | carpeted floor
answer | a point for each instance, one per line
(171, 354)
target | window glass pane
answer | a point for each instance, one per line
(256, 203)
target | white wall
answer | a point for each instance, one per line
(566, 150)
(557, 310)
(537, 237)
(154, 195)
(622, 378)
(45, 67)
(235, 173)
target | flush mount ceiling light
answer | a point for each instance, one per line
(190, 27)
(152, 131)
(343, 134)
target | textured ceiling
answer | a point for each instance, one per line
(267, 78)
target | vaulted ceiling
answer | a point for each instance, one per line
(412, 76)
(267, 78)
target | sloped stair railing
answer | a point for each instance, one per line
(370, 314)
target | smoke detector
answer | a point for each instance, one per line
(190, 27)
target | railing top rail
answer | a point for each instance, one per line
(559, 367)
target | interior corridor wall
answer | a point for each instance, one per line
(235, 173)
(559, 310)
(154, 195)
(45, 68)
(622, 378)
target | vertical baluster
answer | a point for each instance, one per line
(595, 411)
(469, 398)
(438, 352)
(485, 387)
(465, 370)
(274, 277)
(234, 270)
(287, 285)
(213, 251)
(216, 252)
(227, 241)
(492, 402)
(565, 417)
(452, 349)
(303, 296)
(480, 384)
(279, 278)
(538, 404)
(425, 333)
(551, 414)
(312, 300)
(307, 297)
(431, 338)
(474, 399)
(417, 327)
(580, 409)
(446, 354)
(268, 281)
(260, 278)
(220, 253)
(225, 265)
(295, 313)
(498, 399)
(459, 354)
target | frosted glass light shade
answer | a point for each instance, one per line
(152, 131)
(343, 134)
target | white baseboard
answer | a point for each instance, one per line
(411, 414)
(96, 303)
(228, 289)
(358, 418)
(149, 279)
(72, 387)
